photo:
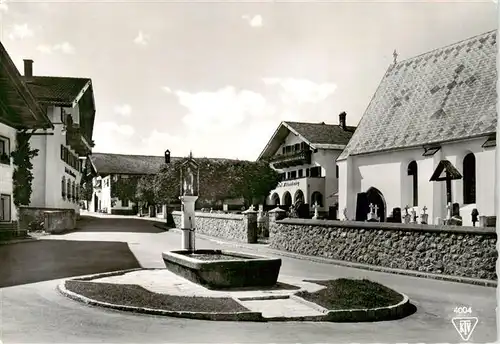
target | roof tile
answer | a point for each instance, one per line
(56, 89)
(450, 99)
(321, 133)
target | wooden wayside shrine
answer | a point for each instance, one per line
(445, 171)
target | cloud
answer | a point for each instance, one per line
(255, 21)
(221, 110)
(113, 137)
(3, 6)
(20, 31)
(301, 90)
(141, 39)
(222, 123)
(64, 47)
(123, 110)
(245, 143)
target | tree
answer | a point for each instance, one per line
(125, 188)
(254, 180)
(146, 190)
(219, 179)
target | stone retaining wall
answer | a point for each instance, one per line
(61, 219)
(450, 250)
(226, 226)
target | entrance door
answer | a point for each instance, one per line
(5, 208)
(362, 207)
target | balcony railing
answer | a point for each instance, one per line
(297, 158)
(76, 139)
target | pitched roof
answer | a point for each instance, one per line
(107, 163)
(321, 133)
(444, 95)
(63, 90)
(317, 135)
(20, 108)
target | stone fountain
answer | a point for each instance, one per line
(214, 269)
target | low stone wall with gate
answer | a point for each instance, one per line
(449, 250)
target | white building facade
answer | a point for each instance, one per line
(19, 112)
(108, 169)
(305, 155)
(434, 111)
(69, 104)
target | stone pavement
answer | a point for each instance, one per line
(165, 282)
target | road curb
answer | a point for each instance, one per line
(18, 241)
(398, 311)
(236, 316)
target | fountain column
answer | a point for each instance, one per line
(189, 194)
(188, 221)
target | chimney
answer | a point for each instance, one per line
(28, 68)
(342, 120)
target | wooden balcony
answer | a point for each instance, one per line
(297, 158)
(75, 139)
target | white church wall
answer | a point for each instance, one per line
(387, 172)
(485, 177)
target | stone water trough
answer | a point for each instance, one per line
(218, 269)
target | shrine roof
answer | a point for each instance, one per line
(447, 94)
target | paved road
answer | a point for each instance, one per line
(36, 313)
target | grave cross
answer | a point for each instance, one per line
(424, 209)
(371, 208)
(406, 209)
(316, 207)
(375, 207)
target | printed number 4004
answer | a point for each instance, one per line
(463, 310)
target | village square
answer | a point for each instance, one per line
(380, 230)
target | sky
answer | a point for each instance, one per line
(217, 78)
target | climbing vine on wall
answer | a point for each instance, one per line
(23, 176)
(86, 187)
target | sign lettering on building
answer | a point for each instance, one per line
(290, 183)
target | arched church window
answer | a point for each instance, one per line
(469, 169)
(413, 172)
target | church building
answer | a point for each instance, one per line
(427, 138)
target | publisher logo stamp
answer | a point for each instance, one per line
(463, 321)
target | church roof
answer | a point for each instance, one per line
(317, 135)
(444, 95)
